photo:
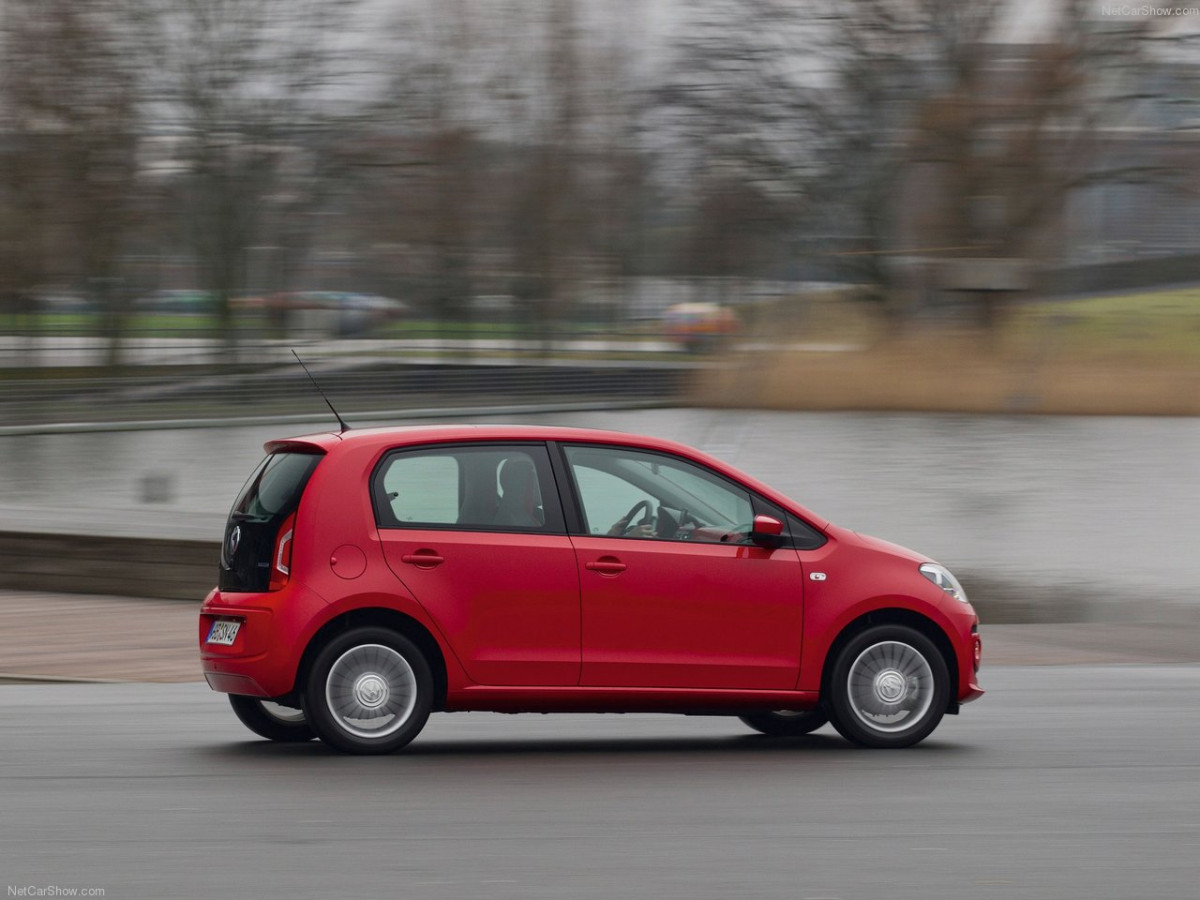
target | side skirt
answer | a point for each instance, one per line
(696, 701)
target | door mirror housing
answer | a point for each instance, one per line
(767, 531)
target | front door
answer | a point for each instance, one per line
(676, 595)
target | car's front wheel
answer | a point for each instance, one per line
(271, 720)
(786, 723)
(889, 687)
(369, 690)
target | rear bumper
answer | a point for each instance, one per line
(229, 683)
(263, 659)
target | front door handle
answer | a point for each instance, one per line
(423, 559)
(606, 565)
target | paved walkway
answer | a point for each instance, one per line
(79, 637)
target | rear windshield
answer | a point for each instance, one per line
(271, 495)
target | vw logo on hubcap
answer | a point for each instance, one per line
(371, 691)
(890, 686)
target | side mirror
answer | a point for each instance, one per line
(767, 531)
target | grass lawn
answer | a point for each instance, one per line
(1159, 324)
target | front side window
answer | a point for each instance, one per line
(476, 488)
(629, 493)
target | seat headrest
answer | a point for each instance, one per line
(518, 474)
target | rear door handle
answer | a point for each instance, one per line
(423, 559)
(606, 565)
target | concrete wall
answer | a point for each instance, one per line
(123, 567)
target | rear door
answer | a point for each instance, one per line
(476, 533)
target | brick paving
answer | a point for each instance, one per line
(82, 636)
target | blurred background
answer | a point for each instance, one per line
(930, 267)
(859, 248)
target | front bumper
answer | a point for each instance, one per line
(968, 676)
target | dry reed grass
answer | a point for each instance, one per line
(940, 368)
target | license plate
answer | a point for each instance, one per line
(223, 631)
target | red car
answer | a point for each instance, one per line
(369, 578)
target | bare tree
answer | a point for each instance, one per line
(431, 152)
(71, 102)
(860, 110)
(505, 143)
(251, 90)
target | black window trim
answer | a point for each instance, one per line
(760, 505)
(552, 504)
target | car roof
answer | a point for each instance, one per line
(403, 435)
(414, 435)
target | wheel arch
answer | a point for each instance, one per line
(379, 617)
(894, 616)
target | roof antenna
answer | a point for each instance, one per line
(341, 421)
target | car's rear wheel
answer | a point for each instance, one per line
(272, 720)
(889, 687)
(786, 723)
(369, 690)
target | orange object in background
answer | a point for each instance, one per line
(700, 327)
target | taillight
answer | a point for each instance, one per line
(281, 559)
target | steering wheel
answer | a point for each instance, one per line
(647, 519)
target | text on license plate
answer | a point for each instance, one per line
(223, 631)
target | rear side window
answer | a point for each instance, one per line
(271, 494)
(476, 488)
(424, 488)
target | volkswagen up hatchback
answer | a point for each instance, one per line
(368, 578)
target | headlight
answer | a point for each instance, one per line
(941, 576)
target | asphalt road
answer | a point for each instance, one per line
(1064, 782)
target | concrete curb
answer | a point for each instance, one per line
(9, 678)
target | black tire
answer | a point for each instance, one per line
(786, 724)
(286, 725)
(900, 689)
(374, 671)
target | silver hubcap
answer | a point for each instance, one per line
(371, 691)
(890, 686)
(288, 715)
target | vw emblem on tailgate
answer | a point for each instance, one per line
(235, 538)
